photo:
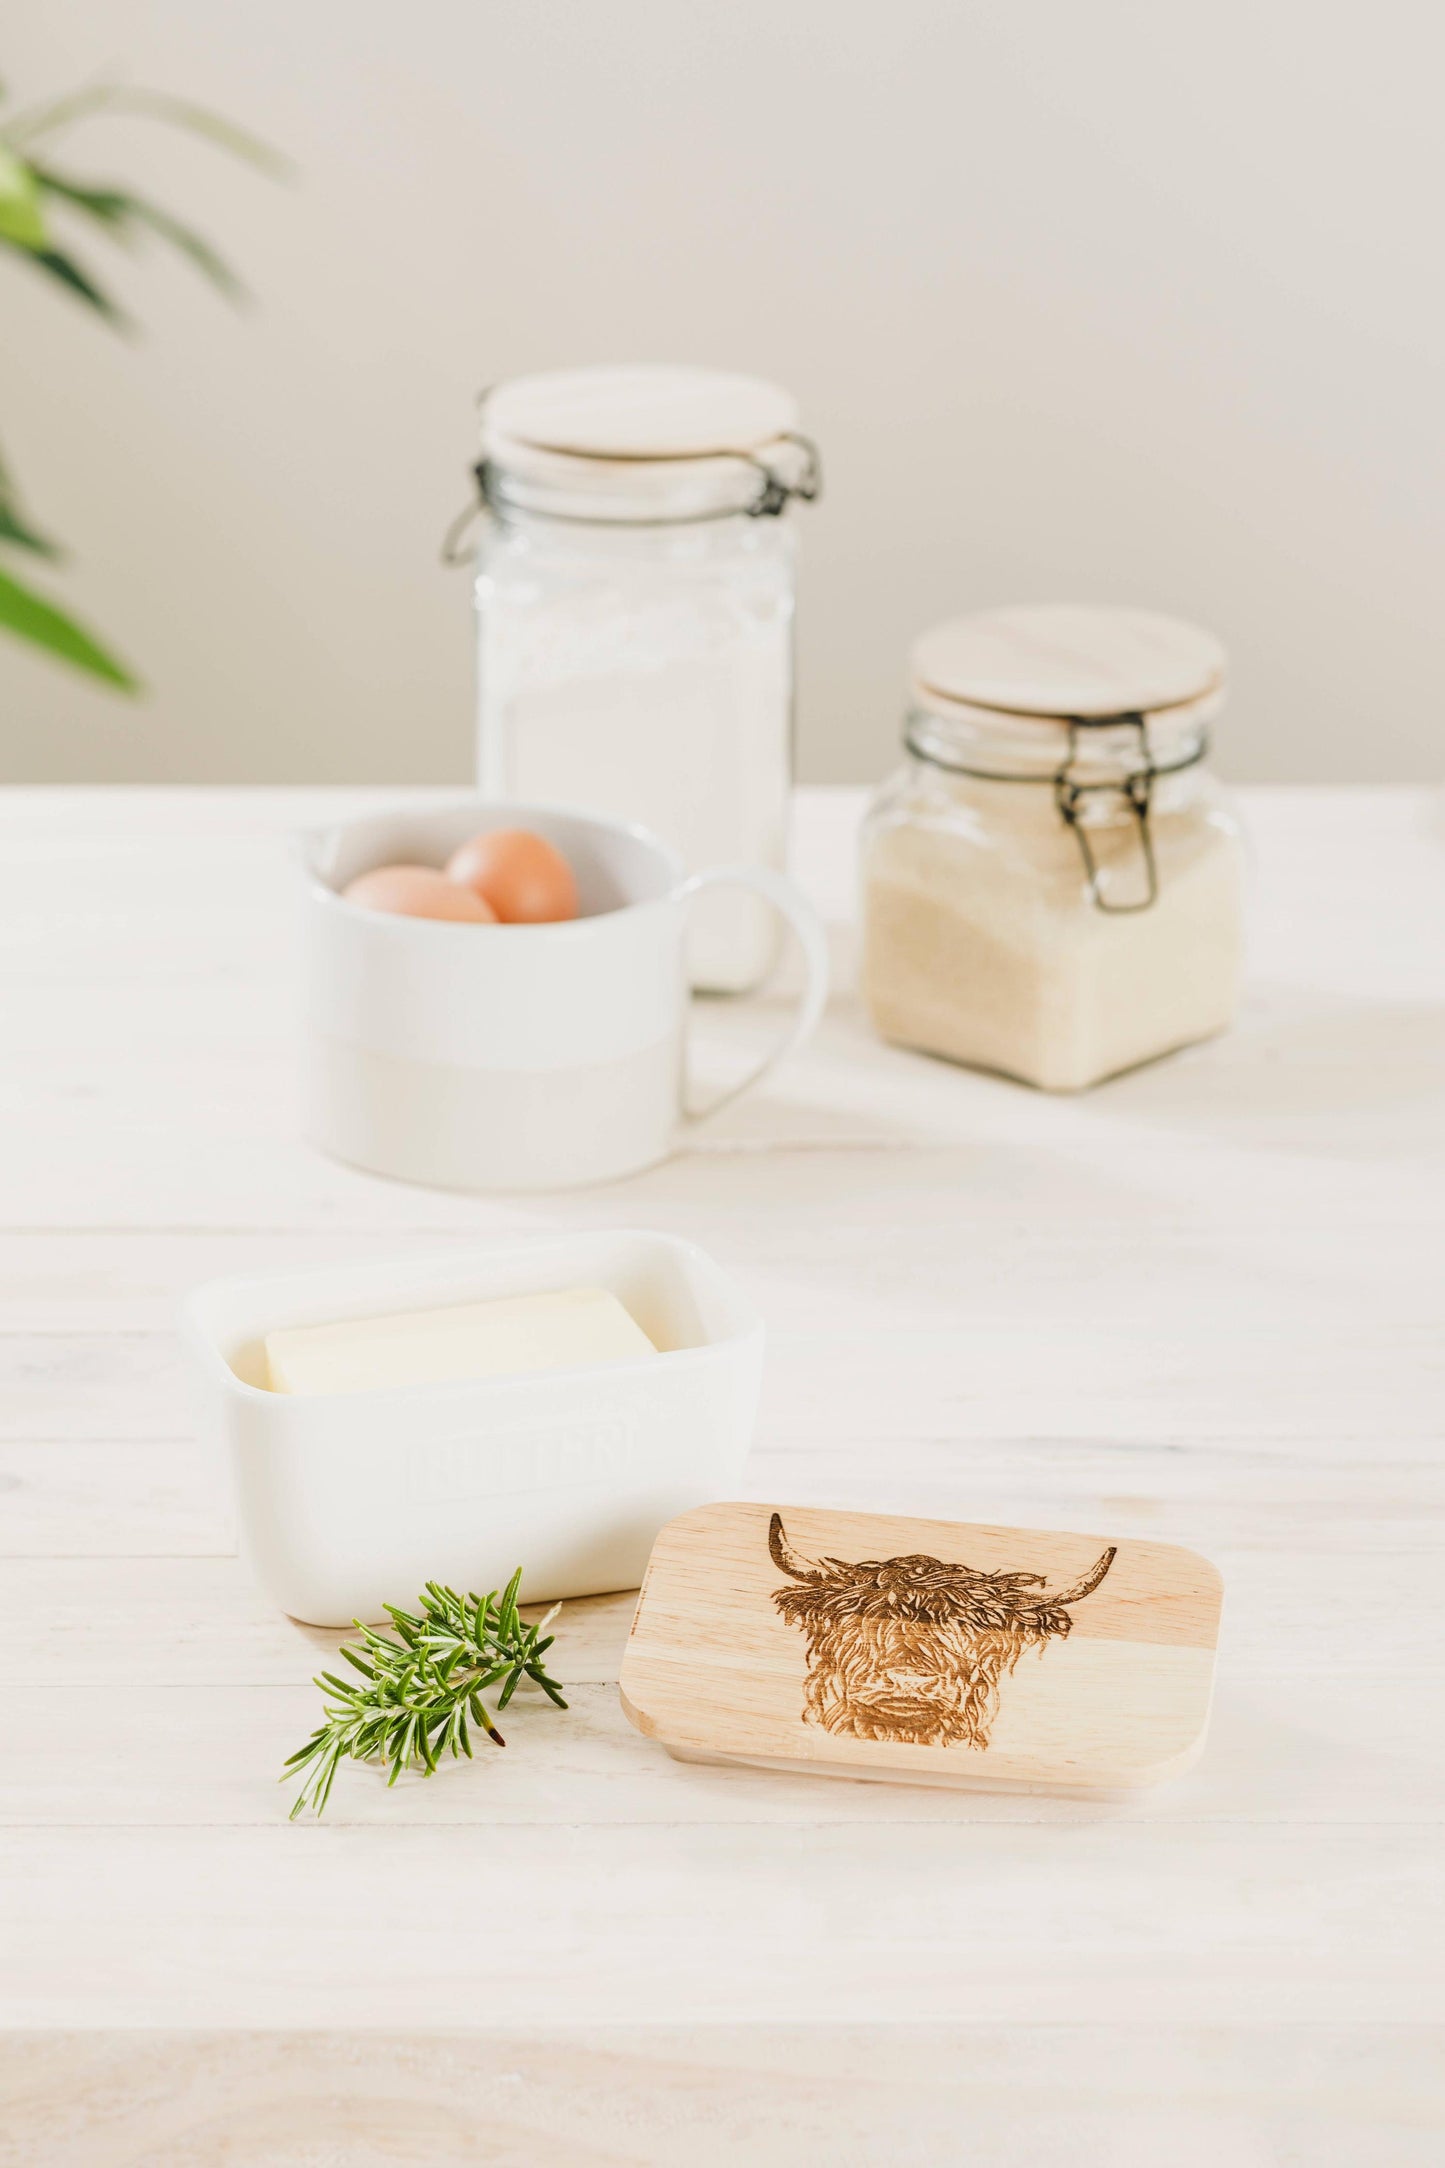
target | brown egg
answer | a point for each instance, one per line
(418, 892)
(524, 878)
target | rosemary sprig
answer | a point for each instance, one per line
(420, 1686)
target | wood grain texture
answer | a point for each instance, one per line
(1065, 659)
(725, 1922)
(1200, 1306)
(808, 2096)
(934, 1652)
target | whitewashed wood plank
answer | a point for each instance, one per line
(848, 1266)
(125, 1622)
(1317, 851)
(1304, 810)
(202, 1621)
(915, 1370)
(1230, 1260)
(96, 1280)
(121, 1498)
(1224, 1150)
(783, 2096)
(315, 1926)
(133, 1498)
(1230, 1498)
(172, 811)
(1283, 1748)
(69, 1385)
(1315, 1065)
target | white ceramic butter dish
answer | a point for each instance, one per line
(346, 1502)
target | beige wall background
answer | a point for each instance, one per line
(1131, 300)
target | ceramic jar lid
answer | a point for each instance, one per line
(1058, 661)
(637, 413)
(935, 1652)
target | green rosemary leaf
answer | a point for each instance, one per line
(479, 1712)
(323, 1789)
(304, 1754)
(401, 1751)
(418, 1682)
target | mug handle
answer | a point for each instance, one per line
(793, 905)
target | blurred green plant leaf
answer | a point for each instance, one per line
(26, 128)
(28, 189)
(120, 214)
(59, 265)
(31, 617)
(22, 215)
(15, 527)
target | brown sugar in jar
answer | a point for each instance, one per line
(1051, 885)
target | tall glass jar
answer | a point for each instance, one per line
(635, 619)
(1051, 884)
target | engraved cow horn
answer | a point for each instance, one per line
(791, 1561)
(1089, 1583)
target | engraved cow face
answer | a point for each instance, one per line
(914, 1649)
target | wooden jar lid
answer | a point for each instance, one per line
(637, 413)
(1059, 660)
(934, 1652)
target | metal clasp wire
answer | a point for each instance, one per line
(775, 493)
(1137, 791)
(772, 498)
(454, 550)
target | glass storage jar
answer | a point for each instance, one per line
(1052, 884)
(635, 619)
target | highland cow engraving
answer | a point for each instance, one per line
(914, 1650)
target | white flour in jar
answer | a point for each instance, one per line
(988, 949)
(635, 604)
(671, 711)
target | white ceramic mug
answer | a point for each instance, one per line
(515, 1057)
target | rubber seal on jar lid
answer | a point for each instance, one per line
(1063, 660)
(643, 412)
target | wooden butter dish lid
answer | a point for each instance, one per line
(933, 1652)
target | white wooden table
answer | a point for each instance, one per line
(1202, 1304)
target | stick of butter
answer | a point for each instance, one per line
(519, 1333)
